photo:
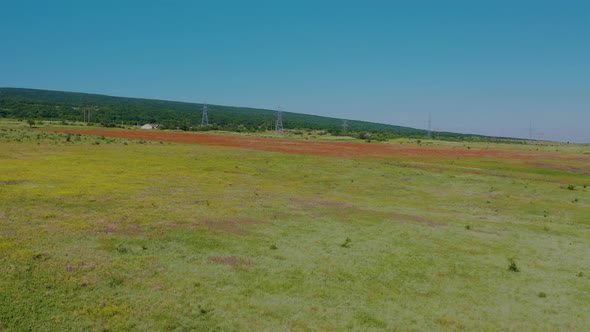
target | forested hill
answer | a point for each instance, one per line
(113, 111)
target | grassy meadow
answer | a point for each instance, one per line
(105, 234)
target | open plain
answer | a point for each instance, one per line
(146, 230)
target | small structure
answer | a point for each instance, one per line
(150, 126)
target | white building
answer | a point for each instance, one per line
(150, 126)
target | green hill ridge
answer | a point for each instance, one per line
(112, 111)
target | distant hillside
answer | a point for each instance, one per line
(113, 111)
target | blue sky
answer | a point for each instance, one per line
(486, 67)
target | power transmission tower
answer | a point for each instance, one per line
(530, 130)
(279, 124)
(205, 118)
(344, 125)
(429, 126)
(87, 114)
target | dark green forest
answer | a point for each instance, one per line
(108, 111)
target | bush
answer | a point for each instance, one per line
(346, 243)
(512, 265)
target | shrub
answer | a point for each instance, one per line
(512, 265)
(346, 243)
(115, 281)
(40, 256)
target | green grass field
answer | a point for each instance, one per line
(105, 234)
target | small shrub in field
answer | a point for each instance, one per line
(346, 243)
(542, 294)
(512, 265)
(571, 187)
(40, 256)
(467, 227)
(115, 281)
(273, 247)
(580, 274)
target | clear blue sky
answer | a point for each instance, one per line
(487, 67)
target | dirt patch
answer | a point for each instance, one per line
(230, 261)
(319, 203)
(236, 227)
(484, 232)
(11, 182)
(118, 228)
(229, 226)
(416, 219)
(563, 168)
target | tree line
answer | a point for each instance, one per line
(119, 111)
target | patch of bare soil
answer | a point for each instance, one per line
(229, 226)
(230, 261)
(11, 182)
(416, 219)
(319, 203)
(115, 227)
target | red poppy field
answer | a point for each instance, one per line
(326, 149)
